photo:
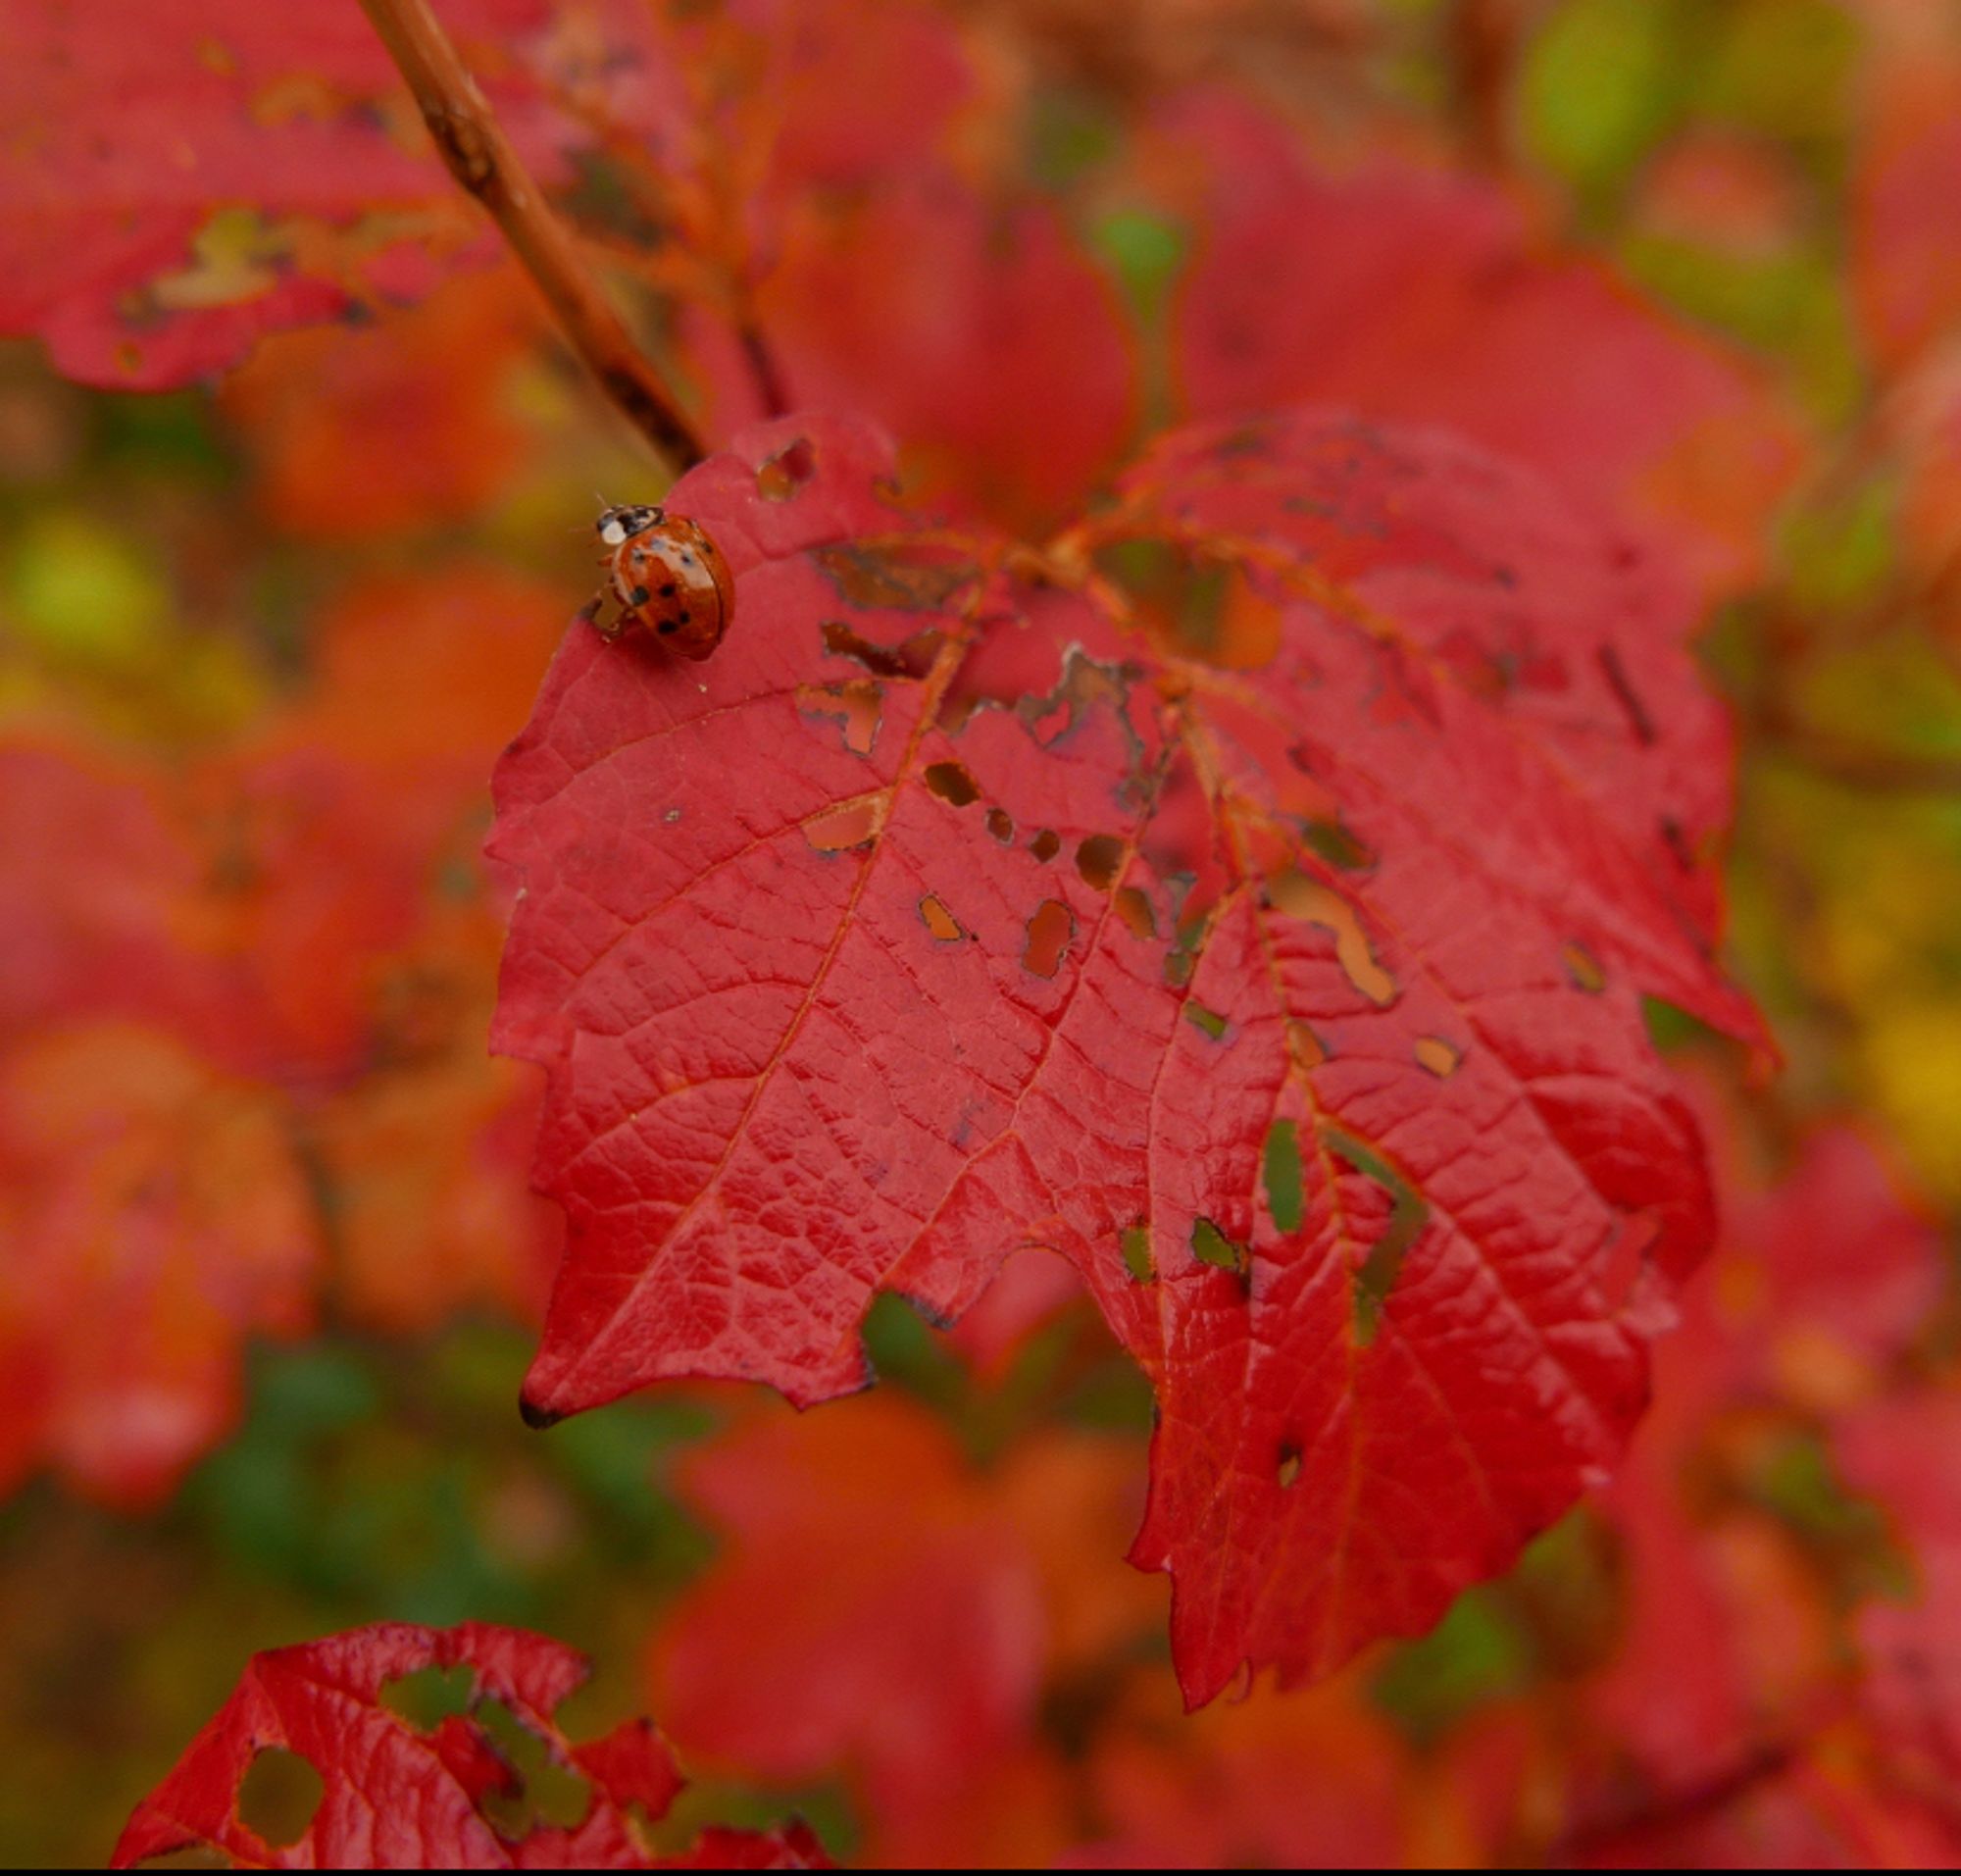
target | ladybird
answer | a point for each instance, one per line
(668, 577)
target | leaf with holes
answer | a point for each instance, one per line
(172, 192)
(1250, 897)
(390, 1793)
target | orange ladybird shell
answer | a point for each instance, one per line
(671, 577)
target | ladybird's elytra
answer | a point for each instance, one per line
(668, 577)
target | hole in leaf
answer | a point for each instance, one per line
(786, 471)
(1409, 1212)
(431, 1694)
(1047, 844)
(1333, 843)
(1288, 1470)
(1299, 897)
(1305, 1049)
(1001, 825)
(911, 660)
(849, 826)
(1583, 966)
(1097, 860)
(1202, 1018)
(1280, 1164)
(1438, 1056)
(952, 783)
(916, 579)
(857, 704)
(1135, 1243)
(279, 1796)
(1211, 1246)
(1133, 907)
(541, 1792)
(939, 921)
(1049, 934)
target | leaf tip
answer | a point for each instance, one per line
(539, 1418)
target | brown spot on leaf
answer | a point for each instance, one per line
(1305, 1049)
(910, 660)
(858, 704)
(1299, 897)
(1583, 966)
(1097, 860)
(951, 783)
(1001, 825)
(1438, 1056)
(1047, 844)
(1050, 930)
(939, 921)
(1133, 907)
(913, 577)
(848, 826)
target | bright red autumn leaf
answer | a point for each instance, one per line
(174, 185)
(395, 1795)
(949, 318)
(953, 909)
(1423, 294)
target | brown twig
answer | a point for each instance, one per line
(481, 158)
(1483, 38)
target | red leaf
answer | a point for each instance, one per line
(398, 1798)
(950, 322)
(155, 1212)
(1419, 295)
(921, 1661)
(173, 190)
(1297, 1005)
(1905, 272)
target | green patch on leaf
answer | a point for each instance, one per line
(1333, 843)
(431, 1695)
(1211, 1246)
(1280, 1165)
(1135, 1240)
(1210, 1021)
(1409, 1212)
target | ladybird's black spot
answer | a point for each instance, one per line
(667, 625)
(684, 618)
(668, 591)
(642, 595)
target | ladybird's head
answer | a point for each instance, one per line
(619, 525)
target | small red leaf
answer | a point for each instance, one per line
(169, 193)
(396, 1796)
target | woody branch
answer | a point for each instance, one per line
(482, 160)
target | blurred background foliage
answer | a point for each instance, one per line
(364, 544)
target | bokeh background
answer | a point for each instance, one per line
(269, 1266)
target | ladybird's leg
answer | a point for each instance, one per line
(589, 614)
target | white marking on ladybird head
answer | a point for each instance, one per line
(620, 524)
